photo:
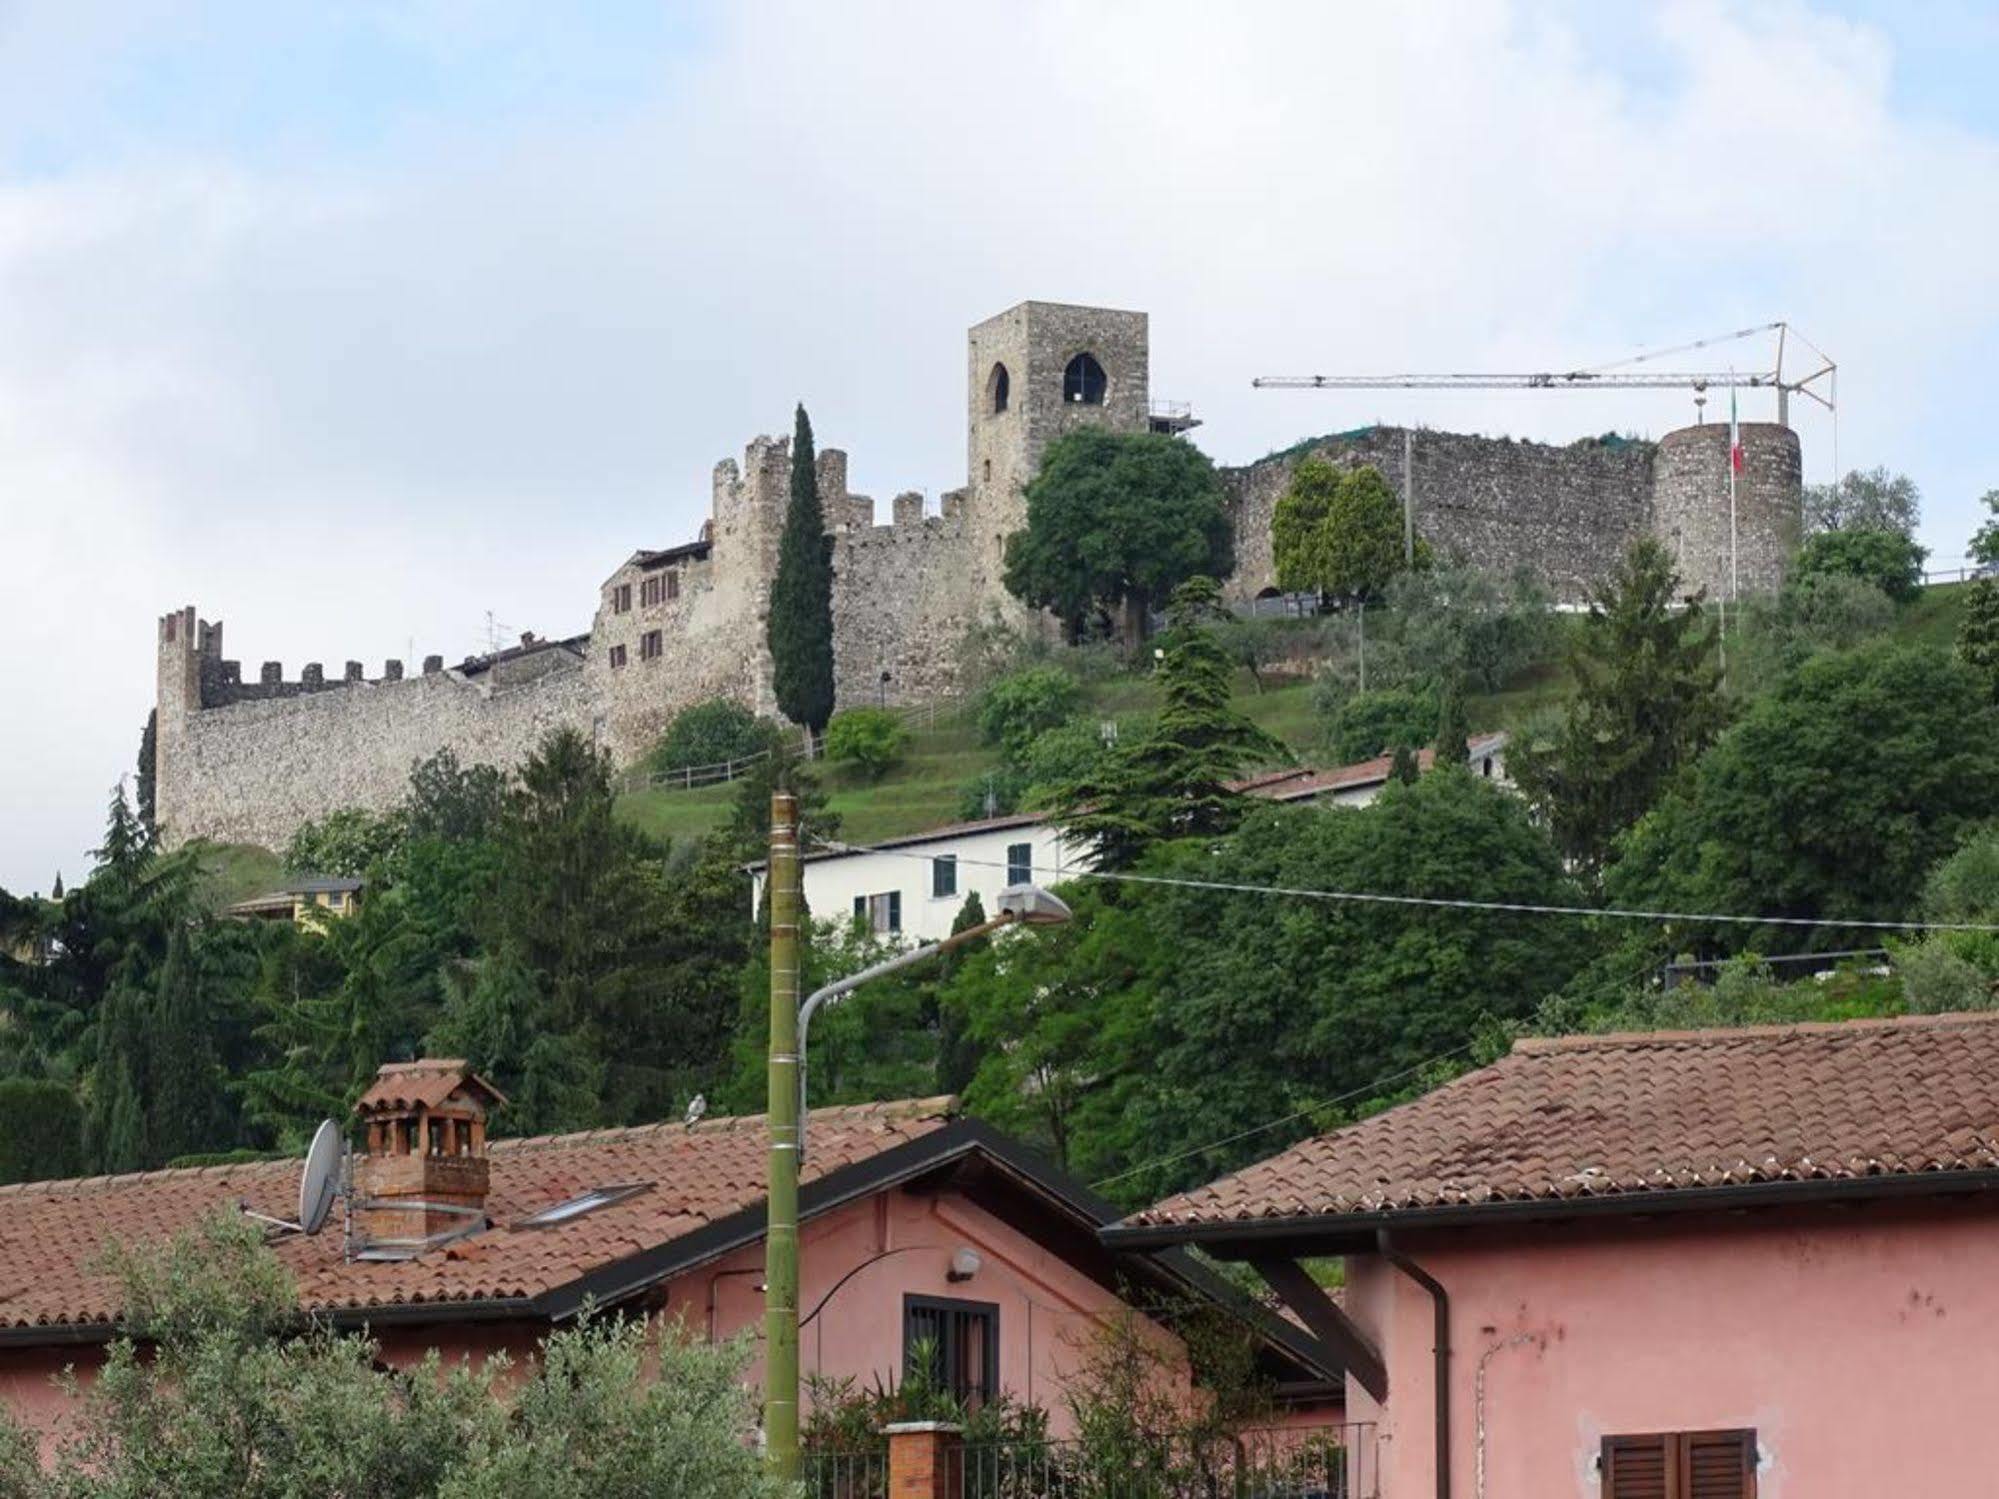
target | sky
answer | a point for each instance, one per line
(358, 324)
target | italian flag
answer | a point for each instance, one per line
(1734, 436)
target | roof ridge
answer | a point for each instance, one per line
(1719, 1035)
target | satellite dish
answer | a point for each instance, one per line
(321, 1182)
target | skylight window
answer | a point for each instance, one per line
(576, 1207)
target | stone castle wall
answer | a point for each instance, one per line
(249, 761)
(250, 765)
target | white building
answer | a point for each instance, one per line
(913, 887)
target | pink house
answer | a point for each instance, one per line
(1714, 1265)
(915, 1223)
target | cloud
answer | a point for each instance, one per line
(350, 389)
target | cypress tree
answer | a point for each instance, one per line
(149, 757)
(800, 629)
(1404, 769)
(1453, 734)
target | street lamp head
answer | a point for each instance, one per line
(1032, 905)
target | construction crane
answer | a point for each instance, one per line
(1820, 383)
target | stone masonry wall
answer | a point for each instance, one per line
(252, 770)
(903, 597)
(1565, 513)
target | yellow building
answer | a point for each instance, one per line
(312, 898)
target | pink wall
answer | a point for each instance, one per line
(1048, 1311)
(1861, 1344)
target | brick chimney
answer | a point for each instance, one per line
(425, 1152)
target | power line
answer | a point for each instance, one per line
(1440, 902)
(1311, 1108)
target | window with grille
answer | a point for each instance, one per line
(880, 914)
(1019, 863)
(943, 876)
(961, 1341)
(650, 646)
(1680, 1465)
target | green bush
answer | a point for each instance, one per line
(1020, 706)
(871, 740)
(709, 733)
(1890, 560)
(41, 1130)
(1372, 723)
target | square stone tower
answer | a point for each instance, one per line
(1034, 372)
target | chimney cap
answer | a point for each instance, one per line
(425, 1083)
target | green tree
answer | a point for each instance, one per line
(872, 740)
(1174, 781)
(1978, 632)
(1985, 541)
(1864, 500)
(1890, 560)
(147, 778)
(1117, 521)
(1337, 532)
(1648, 700)
(1371, 723)
(1018, 707)
(711, 733)
(1830, 799)
(41, 1131)
(801, 596)
(748, 830)
(1453, 745)
(349, 842)
(1406, 768)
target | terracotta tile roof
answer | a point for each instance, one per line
(1600, 1116)
(422, 1085)
(51, 1233)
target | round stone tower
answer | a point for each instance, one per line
(1690, 511)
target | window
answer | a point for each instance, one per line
(1020, 863)
(652, 590)
(673, 585)
(1679, 1465)
(880, 914)
(943, 876)
(576, 1207)
(617, 657)
(1083, 382)
(997, 388)
(961, 1340)
(621, 599)
(650, 646)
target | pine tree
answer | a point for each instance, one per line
(800, 629)
(1648, 700)
(1453, 734)
(1174, 781)
(149, 762)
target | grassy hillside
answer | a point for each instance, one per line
(926, 789)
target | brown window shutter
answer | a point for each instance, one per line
(1718, 1465)
(1680, 1465)
(1637, 1468)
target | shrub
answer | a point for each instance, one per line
(870, 739)
(709, 733)
(1890, 560)
(1371, 723)
(1067, 752)
(997, 793)
(1018, 707)
(41, 1130)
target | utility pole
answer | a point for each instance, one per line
(781, 1239)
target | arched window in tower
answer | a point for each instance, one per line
(998, 385)
(1083, 382)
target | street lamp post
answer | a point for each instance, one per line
(790, 1027)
